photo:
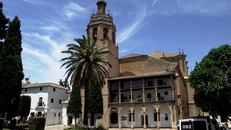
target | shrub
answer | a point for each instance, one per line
(21, 126)
(37, 123)
(83, 128)
(12, 123)
(6, 124)
(24, 106)
(1, 123)
(100, 127)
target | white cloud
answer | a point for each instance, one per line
(154, 2)
(29, 1)
(33, 1)
(43, 62)
(204, 7)
(71, 9)
(129, 49)
(133, 28)
(50, 28)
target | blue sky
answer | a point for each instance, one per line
(143, 27)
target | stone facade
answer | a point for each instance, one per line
(142, 91)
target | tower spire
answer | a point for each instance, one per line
(101, 4)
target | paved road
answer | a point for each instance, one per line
(54, 127)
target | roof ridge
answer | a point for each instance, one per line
(132, 55)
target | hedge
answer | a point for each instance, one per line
(37, 123)
(1, 123)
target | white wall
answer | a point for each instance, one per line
(53, 110)
(64, 115)
(54, 117)
(35, 94)
(59, 95)
(149, 112)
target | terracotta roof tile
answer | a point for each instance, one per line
(131, 55)
(143, 75)
(158, 54)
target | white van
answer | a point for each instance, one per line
(198, 123)
(223, 126)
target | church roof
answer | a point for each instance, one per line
(151, 74)
(131, 55)
(158, 54)
(138, 65)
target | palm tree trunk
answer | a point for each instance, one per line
(86, 103)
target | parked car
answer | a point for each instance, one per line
(198, 123)
(223, 126)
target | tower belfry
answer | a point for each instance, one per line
(102, 29)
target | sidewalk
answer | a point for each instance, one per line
(55, 127)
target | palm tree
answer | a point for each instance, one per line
(85, 65)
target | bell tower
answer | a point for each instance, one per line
(102, 28)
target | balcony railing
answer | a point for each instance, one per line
(139, 86)
(141, 99)
(41, 104)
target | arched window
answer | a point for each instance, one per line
(105, 32)
(95, 34)
(114, 118)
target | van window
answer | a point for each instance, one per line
(199, 125)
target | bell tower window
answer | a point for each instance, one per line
(95, 34)
(113, 37)
(105, 32)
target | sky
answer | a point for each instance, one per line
(143, 27)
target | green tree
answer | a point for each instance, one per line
(3, 28)
(211, 79)
(74, 108)
(95, 103)
(3, 25)
(11, 69)
(85, 65)
(24, 106)
(64, 84)
(61, 83)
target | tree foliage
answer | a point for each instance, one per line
(24, 106)
(211, 79)
(85, 65)
(37, 123)
(64, 84)
(61, 82)
(95, 103)
(74, 108)
(3, 28)
(3, 25)
(96, 100)
(11, 70)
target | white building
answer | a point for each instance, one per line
(64, 112)
(46, 100)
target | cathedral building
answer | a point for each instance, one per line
(142, 91)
